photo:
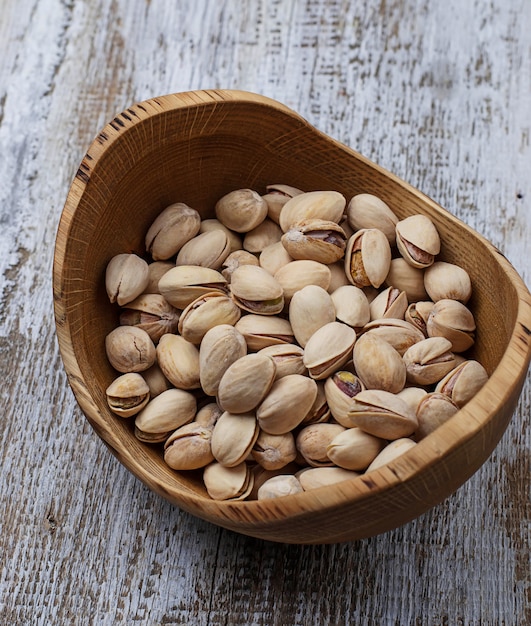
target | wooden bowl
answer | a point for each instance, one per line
(195, 147)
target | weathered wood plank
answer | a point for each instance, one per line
(440, 94)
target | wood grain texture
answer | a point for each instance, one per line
(438, 93)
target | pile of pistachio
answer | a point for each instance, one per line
(294, 341)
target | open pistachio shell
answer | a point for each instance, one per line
(172, 228)
(367, 258)
(391, 302)
(253, 289)
(463, 382)
(339, 390)
(453, 320)
(276, 197)
(189, 447)
(382, 414)
(182, 285)
(328, 349)
(429, 360)
(128, 394)
(228, 483)
(316, 239)
(320, 411)
(417, 313)
(126, 277)
(400, 334)
(325, 205)
(164, 414)
(310, 308)
(151, 312)
(288, 358)
(221, 346)
(417, 240)
(261, 331)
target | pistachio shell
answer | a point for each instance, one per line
(417, 314)
(245, 383)
(407, 278)
(235, 241)
(315, 477)
(412, 396)
(400, 334)
(417, 240)
(260, 331)
(429, 360)
(382, 414)
(179, 361)
(320, 411)
(276, 197)
(128, 394)
(351, 305)
(126, 277)
(265, 234)
(288, 359)
(447, 281)
(325, 205)
(189, 447)
(208, 415)
(234, 260)
(367, 258)
(391, 302)
(433, 410)
(273, 257)
(339, 390)
(368, 211)
(164, 414)
(274, 452)
(310, 308)
(354, 449)
(391, 451)
(463, 382)
(208, 249)
(297, 274)
(182, 285)
(228, 483)
(151, 312)
(338, 278)
(173, 227)
(316, 239)
(156, 271)
(233, 438)
(328, 349)
(156, 380)
(260, 475)
(253, 289)
(312, 442)
(278, 486)
(221, 346)
(378, 364)
(206, 312)
(130, 349)
(241, 210)
(453, 320)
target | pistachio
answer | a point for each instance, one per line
(182, 285)
(463, 382)
(338, 278)
(288, 358)
(151, 312)
(274, 452)
(315, 239)
(261, 331)
(320, 411)
(429, 360)
(179, 361)
(265, 234)
(260, 475)
(400, 334)
(378, 364)
(417, 240)
(339, 390)
(412, 396)
(206, 312)
(241, 210)
(453, 320)
(228, 483)
(189, 447)
(382, 414)
(310, 308)
(433, 410)
(273, 257)
(297, 274)
(233, 438)
(176, 225)
(276, 197)
(253, 289)
(447, 281)
(130, 349)
(278, 486)
(391, 302)
(287, 404)
(328, 349)
(246, 383)
(234, 260)
(164, 414)
(312, 442)
(221, 347)
(354, 449)
(368, 211)
(126, 277)
(235, 241)
(407, 278)
(208, 415)
(367, 258)
(315, 477)
(351, 305)
(325, 205)
(156, 271)
(128, 394)
(417, 314)
(208, 249)
(391, 452)
(155, 380)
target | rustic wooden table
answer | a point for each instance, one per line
(440, 94)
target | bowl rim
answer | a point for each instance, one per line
(508, 374)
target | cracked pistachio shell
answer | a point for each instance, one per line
(447, 281)
(156, 380)
(130, 349)
(315, 477)
(417, 313)
(351, 305)
(319, 240)
(412, 396)
(208, 249)
(254, 290)
(400, 334)
(182, 285)
(273, 452)
(310, 308)
(339, 390)
(173, 227)
(328, 349)
(368, 211)
(320, 411)
(407, 278)
(241, 210)
(234, 260)
(206, 312)
(287, 404)
(273, 257)
(265, 234)
(228, 483)
(128, 394)
(151, 312)
(417, 240)
(312, 443)
(189, 447)
(453, 320)
(164, 414)
(221, 346)
(324, 205)
(382, 414)
(433, 410)
(354, 449)
(338, 278)
(246, 383)
(288, 359)
(276, 197)
(126, 277)
(390, 302)
(179, 361)
(429, 360)
(235, 241)
(378, 364)
(297, 274)
(367, 258)
(279, 486)
(463, 382)
(261, 331)
(391, 451)
(233, 438)
(156, 271)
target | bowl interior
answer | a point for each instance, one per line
(195, 150)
